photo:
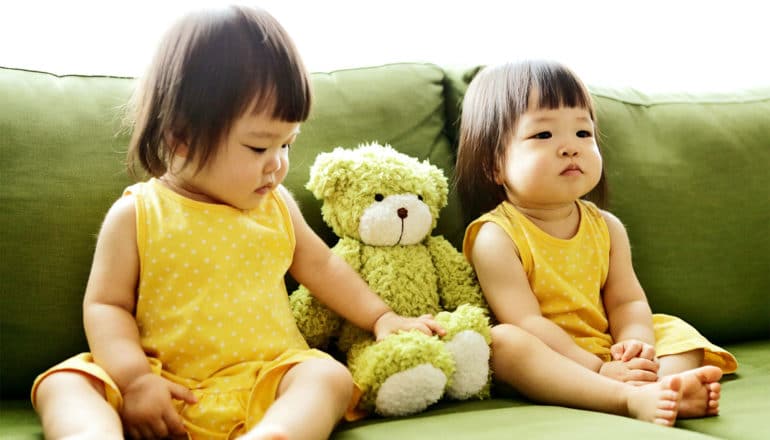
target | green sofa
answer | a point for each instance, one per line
(689, 176)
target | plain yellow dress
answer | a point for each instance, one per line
(567, 277)
(212, 308)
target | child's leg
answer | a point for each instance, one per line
(312, 397)
(680, 362)
(529, 365)
(700, 385)
(72, 405)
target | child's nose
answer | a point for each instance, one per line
(568, 151)
(273, 164)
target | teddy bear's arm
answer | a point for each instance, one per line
(317, 323)
(457, 281)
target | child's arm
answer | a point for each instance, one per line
(330, 279)
(506, 289)
(112, 332)
(624, 300)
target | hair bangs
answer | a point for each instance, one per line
(283, 90)
(557, 86)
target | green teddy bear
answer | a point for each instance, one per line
(383, 205)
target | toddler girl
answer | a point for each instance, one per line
(557, 265)
(185, 311)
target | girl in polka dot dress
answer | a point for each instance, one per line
(185, 311)
(557, 266)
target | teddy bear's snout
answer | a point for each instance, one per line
(402, 212)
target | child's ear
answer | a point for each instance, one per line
(177, 145)
(499, 173)
(498, 176)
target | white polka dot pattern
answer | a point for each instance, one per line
(212, 291)
(566, 275)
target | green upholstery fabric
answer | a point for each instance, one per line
(744, 406)
(689, 178)
(61, 170)
(687, 174)
(503, 419)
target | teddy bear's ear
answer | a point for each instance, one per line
(440, 184)
(327, 173)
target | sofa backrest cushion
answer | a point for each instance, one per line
(688, 175)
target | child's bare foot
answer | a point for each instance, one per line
(700, 392)
(261, 432)
(657, 402)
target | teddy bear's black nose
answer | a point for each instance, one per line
(402, 212)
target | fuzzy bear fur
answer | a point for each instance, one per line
(383, 205)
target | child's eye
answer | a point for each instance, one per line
(543, 135)
(584, 134)
(286, 146)
(258, 150)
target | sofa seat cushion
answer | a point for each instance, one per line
(744, 408)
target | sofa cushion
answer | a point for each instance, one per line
(62, 167)
(688, 175)
(742, 415)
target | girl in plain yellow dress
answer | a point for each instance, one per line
(556, 265)
(185, 311)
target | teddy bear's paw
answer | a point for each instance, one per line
(410, 391)
(471, 354)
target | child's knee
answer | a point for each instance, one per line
(508, 340)
(66, 383)
(333, 374)
(338, 375)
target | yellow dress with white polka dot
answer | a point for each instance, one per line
(567, 277)
(212, 308)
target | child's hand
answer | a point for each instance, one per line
(390, 322)
(148, 412)
(631, 348)
(636, 371)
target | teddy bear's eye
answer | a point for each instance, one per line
(419, 197)
(379, 197)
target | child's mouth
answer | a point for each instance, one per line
(572, 170)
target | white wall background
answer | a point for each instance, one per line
(652, 45)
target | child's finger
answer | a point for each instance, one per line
(641, 376)
(616, 351)
(181, 392)
(648, 352)
(632, 350)
(639, 363)
(429, 327)
(174, 422)
(434, 327)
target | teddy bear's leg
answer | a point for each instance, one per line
(471, 355)
(410, 391)
(401, 374)
(468, 340)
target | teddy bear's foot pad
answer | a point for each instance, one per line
(471, 355)
(410, 391)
